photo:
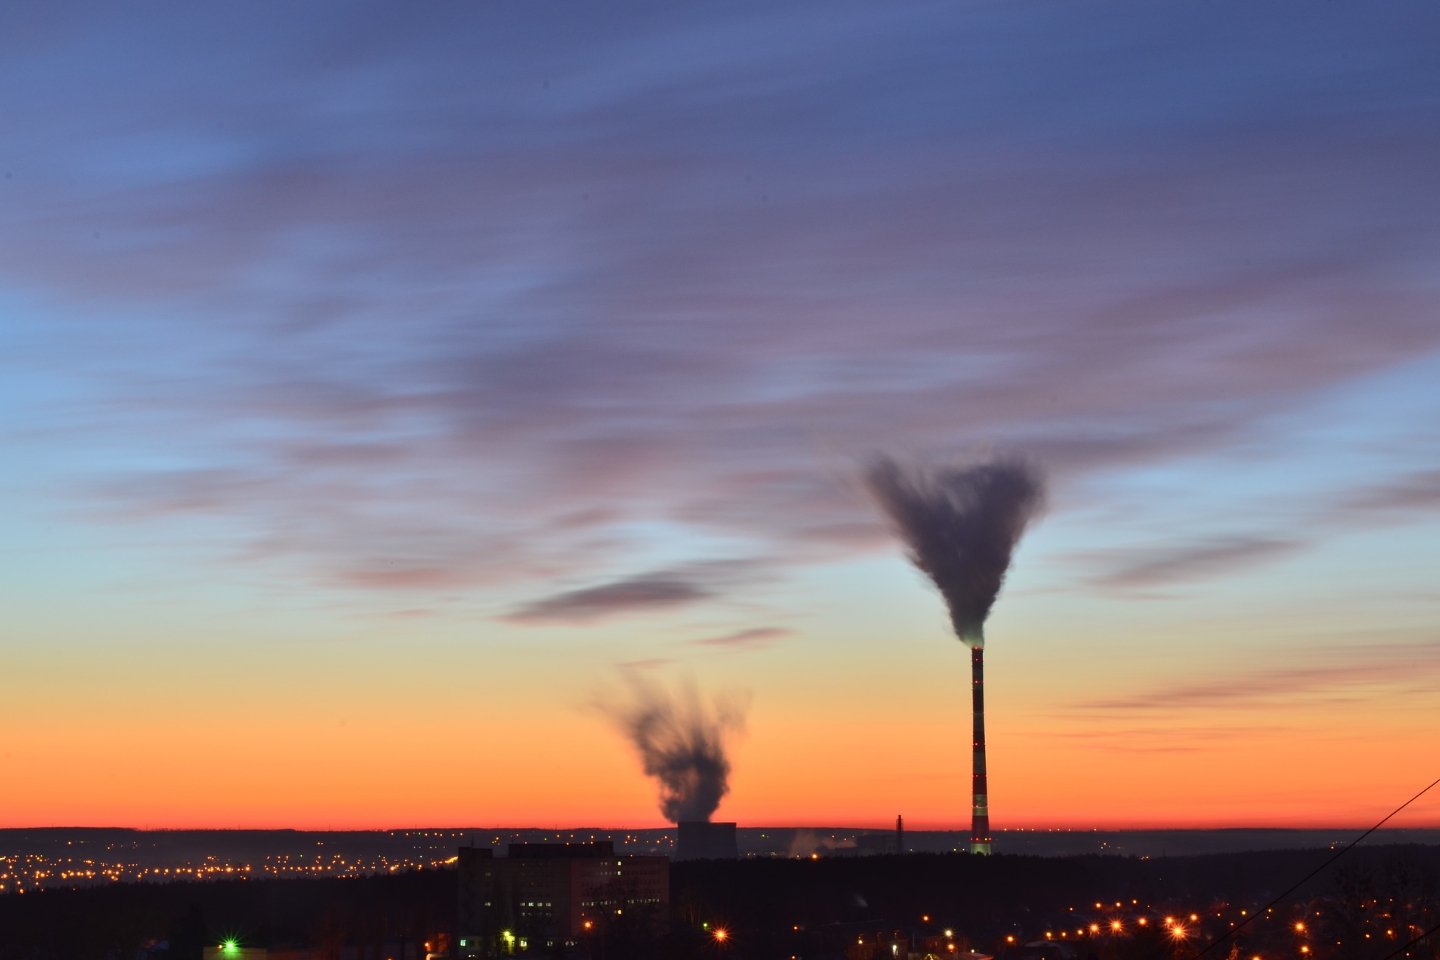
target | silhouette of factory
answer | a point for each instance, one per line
(703, 840)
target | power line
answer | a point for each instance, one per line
(1401, 949)
(1311, 875)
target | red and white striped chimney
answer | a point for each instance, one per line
(980, 810)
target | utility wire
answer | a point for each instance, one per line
(1311, 875)
(1401, 949)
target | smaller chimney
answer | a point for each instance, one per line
(899, 834)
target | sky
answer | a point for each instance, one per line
(382, 385)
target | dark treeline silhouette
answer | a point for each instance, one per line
(826, 909)
(113, 922)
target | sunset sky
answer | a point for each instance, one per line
(380, 382)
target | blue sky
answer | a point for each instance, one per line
(343, 341)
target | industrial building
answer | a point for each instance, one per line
(548, 898)
(703, 840)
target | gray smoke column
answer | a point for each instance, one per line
(682, 743)
(961, 525)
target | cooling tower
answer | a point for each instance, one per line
(703, 840)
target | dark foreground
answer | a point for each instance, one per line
(863, 908)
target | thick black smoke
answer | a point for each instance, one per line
(961, 525)
(681, 741)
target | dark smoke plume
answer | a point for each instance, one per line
(681, 741)
(961, 525)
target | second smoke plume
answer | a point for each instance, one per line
(682, 743)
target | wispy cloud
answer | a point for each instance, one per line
(1329, 675)
(638, 594)
(666, 274)
(646, 663)
(1194, 561)
(1157, 738)
(754, 638)
(1406, 496)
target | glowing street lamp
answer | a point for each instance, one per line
(720, 934)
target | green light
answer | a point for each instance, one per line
(229, 946)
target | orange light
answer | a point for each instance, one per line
(1299, 926)
(721, 934)
(1178, 932)
(1116, 926)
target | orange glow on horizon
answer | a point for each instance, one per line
(329, 765)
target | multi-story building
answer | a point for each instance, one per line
(547, 899)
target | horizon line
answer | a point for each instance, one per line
(886, 828)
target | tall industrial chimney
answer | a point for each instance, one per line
(980, 809)
(961, 525)
(899, 834)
